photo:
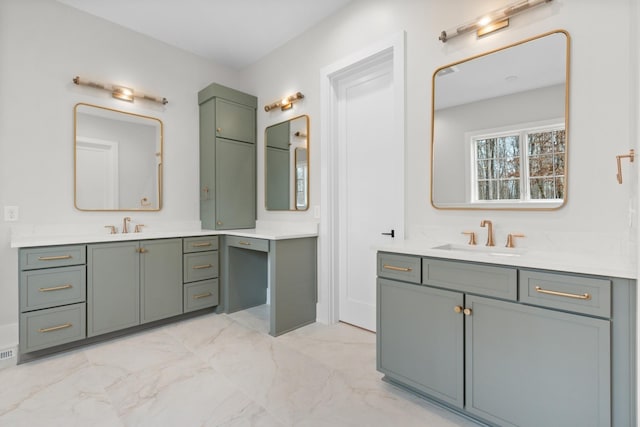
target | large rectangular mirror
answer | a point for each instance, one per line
(287, 165)
(499, 128)
(118, 160)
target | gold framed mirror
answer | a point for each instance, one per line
(117, 160)
(287, 165)
(499, 135)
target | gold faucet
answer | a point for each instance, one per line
(112, 228)
(489, 225)
(125, 229)
(472, 237)
(510, 239)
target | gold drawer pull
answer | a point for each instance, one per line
(200, 296)
(201, 267)
(201, 245)
(394, 268)
(56, 288)
(55, 328)
(584, 296)
(244, 243)
(142, 250)
(54, 258)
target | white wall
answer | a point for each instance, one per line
(43, 45)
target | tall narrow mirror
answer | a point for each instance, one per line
(287, 165)
(118, 160)
(499, 128)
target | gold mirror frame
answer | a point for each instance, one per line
(504, 205)
(286, 171)
(143, 201)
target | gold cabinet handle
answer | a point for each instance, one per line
(394, 268)
(56, 288)
(467, 311)
(219, 222)
(585, 296)
(201, 245)
(55, 328)
(54, 258)
(244, 243)
(218, 130)
(201, 267)
(200, 296)
(142, 250)
(457, 309)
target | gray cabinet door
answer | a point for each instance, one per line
(235, 121)
(207, 165)
(160, 279)
(235, 184)
(113, 287)
(420, 339)
(528, 366)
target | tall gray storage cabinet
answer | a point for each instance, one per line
(227, 158)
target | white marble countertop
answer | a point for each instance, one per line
(281, 232)
(574, 262)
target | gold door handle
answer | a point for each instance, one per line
(394, 268)
(457, 309)
(54, 258)
(244, 243)
(56, 288)
(201, 245)
(200, 296)
(467, 311)
(55, 328)
(584, 296)
(201, 267)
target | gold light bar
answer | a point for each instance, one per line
(285, 103)
(492, 21)
(120, 92)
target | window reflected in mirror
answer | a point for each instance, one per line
(499, 128)
(287, 165)
(118, 160)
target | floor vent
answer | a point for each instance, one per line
(7, 354)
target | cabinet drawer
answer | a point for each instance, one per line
(51, 327)
(261, 245)
(588, 295)
(51, 287)
(54, 256)
(499, 282)
(200, 266)
(399, 267)
(200, 295)
(200, 244)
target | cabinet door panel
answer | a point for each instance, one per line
(528, 366)
(420, 338)
(161, 279)
(235, 121)
(235, 184)
(113, 287)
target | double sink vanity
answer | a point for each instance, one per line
(80, 289)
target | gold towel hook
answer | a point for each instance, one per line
(631, 156)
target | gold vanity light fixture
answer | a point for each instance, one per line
(285, 103)
(492, 21)
(120, 92)
(631, 156)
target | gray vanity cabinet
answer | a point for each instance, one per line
(227, 158)
(509, 346)
(129, 283)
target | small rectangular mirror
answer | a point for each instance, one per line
(499, 128)
(287, 165)
(118, 160)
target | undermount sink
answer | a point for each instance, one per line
(486, 250)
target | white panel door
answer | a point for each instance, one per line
(371, 184)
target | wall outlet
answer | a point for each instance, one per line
(10, 213)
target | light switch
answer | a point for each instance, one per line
(10, 213)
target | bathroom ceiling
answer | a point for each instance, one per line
(234, 33)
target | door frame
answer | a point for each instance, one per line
(328, 274)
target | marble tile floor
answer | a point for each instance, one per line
(215, 370)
